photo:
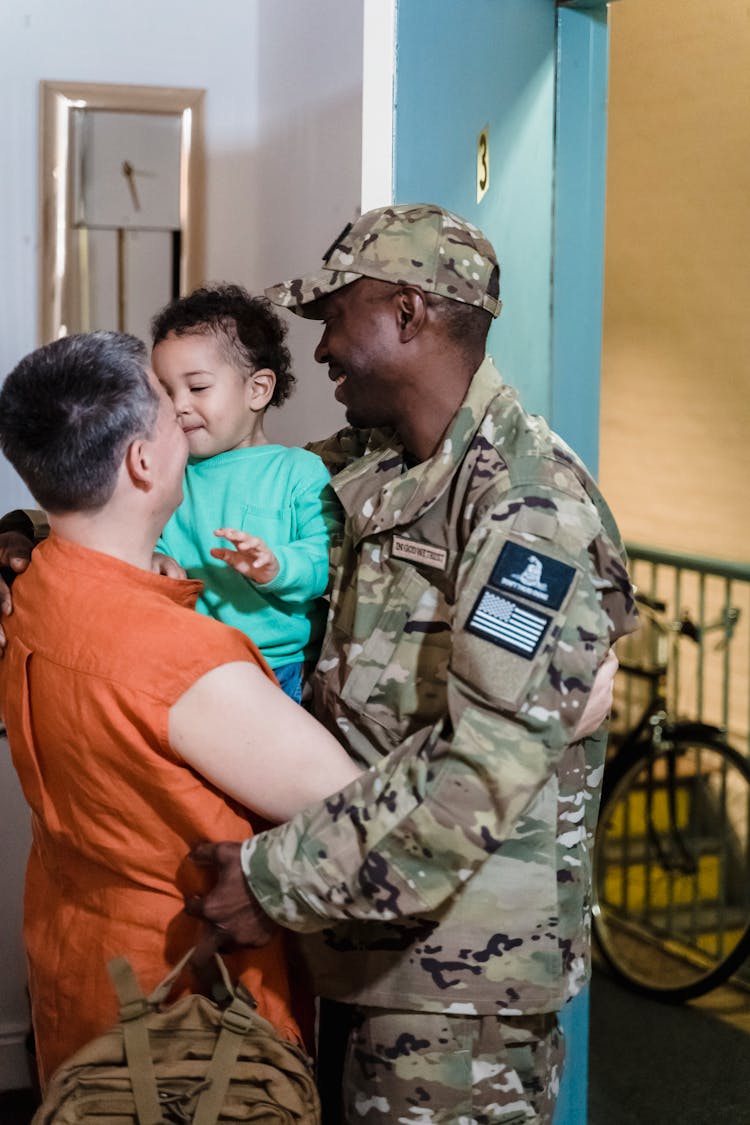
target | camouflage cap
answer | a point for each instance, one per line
(407, 243)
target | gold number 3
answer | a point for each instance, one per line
(484, 172)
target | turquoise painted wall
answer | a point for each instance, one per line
(537, 77)
(460, 66)
(578, 247)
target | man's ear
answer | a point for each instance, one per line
(411, 309)
(137, 464)
(260, 388)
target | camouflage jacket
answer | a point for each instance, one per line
(473, 599)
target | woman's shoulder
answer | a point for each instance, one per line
(176, 645)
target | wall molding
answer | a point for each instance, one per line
(378, 93)
(14, 1067)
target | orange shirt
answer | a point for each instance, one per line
(98, 652)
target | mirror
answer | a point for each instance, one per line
(121, 196)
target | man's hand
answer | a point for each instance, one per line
(230, 908)
(166, 565)
(599, 702)
(251, 557)
(15, 554)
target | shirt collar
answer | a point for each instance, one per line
(379, 492)
(69, 557)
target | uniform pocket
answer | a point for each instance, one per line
(378, 648)
(509, 620)
(399, 649)
(494, 673)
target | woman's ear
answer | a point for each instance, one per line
(260, 388)
(137, 464)
(411, 310)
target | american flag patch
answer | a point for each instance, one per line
(507, 623)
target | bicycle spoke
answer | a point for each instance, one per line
(672, 868)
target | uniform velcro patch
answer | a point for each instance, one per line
(532, 575)
(507, 622)
(425, 553)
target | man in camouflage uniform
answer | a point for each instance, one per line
(480, 582)
(445, 894)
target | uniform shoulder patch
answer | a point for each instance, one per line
(532, 575)
(507, 622)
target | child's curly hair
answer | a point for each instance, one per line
(251, 332)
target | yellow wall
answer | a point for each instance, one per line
(675, 433)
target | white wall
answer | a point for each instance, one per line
(283, 143)
(283, 125)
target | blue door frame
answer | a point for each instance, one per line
(536, 76)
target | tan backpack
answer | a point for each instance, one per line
(192, 1061)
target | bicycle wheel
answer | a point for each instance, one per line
(671, 911)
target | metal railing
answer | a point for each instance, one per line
(709, 679)
(708, 675)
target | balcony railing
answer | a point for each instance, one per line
(708, 674)
(709, 678)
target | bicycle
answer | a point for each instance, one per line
(671, 867)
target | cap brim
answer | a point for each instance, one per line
(301, 294)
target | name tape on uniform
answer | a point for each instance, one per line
(532, 575)
(508, 623)
(403, 548)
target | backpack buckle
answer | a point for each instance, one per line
(134, 1009)
(238, 1022)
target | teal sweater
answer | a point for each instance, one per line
(283, 496)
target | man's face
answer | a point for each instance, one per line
(359, 346)
(210, 395)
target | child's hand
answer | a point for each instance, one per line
(166, 565)
(250, 557)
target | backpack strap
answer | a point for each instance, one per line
(236, 1022)
(163, 989)
(134, 1009)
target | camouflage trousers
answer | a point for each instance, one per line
(379, 1066)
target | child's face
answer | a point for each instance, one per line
(216, 403)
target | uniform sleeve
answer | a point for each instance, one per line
(402, 838)
(303, 564)
(29, 522)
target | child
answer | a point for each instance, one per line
(221, 357)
